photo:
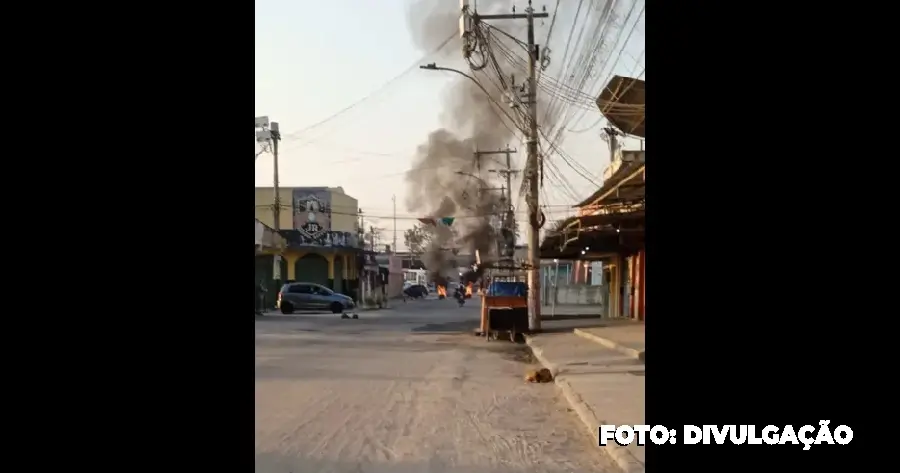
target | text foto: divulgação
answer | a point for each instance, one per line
(806, 435)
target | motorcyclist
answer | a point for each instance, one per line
(460, 295)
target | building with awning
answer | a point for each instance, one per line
(609, 224)
(609, 227)
(321, 229)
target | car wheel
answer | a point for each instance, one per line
(287, 308)
(337, 307)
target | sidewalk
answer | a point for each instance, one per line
(626, 337)
(602, 385)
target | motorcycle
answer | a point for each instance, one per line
(460, 299)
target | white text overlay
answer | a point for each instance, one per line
(806, 435)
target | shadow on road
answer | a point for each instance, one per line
(456, 326)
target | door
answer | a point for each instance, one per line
(300, 295)
(311, 268)
(320, 296)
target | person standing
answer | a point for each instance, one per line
(261, 297)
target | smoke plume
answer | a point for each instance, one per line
(446, 177)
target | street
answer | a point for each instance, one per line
(407, 390)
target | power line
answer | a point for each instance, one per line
(462, 215)
(374, 93)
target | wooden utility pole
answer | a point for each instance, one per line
(276, 205)
(532, 165)
(507, 173)
(394, 247)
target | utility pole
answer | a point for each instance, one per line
(508, 217)
(508, 214)
(266, 132)
(276, 207)
(531, 172)
(531, 168)
(394, 200)
(362, 228)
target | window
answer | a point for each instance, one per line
(301, 289)
(321, 290)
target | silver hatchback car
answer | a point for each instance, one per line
(310, 296)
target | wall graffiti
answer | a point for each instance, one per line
(326, 238)
(312, 212)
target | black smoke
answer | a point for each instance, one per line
(446, 176)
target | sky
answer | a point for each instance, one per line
(316, 58)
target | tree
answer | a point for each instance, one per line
(418, 238)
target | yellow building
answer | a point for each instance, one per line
(321, 230)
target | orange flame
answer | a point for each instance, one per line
(469, 289)
(442, 291)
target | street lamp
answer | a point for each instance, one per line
(434, 67)
(472, 176)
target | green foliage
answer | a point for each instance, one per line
(418, 238)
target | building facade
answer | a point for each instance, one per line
(321, 233)
(608, 229)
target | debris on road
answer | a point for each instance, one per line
(542, 375)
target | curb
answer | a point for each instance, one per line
(639, 354)
(620, 455)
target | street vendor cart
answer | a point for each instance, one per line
(504, 310)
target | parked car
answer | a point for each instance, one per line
(310, 296)
(416, 291)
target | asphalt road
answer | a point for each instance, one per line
(406, 390)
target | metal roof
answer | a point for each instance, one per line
(622, 103)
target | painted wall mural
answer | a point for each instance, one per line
(312, 212)
(328, 239)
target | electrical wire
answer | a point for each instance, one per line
(619, 55)
(589, 73)
(401, 217)
(547, 51)
(578, 72)
(490, 43)
(372, 94)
